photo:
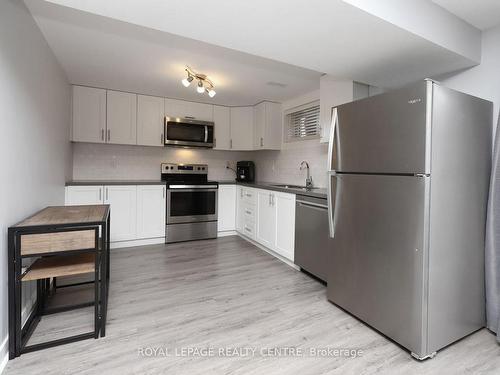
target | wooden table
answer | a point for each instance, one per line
(76, 232)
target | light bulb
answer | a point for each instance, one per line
(200, 87)
(211, 93)
(187, 81)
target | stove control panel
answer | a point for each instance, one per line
(172, 168)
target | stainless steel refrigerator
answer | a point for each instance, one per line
(408, 187)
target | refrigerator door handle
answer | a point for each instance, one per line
(333, 130)
(332, 202)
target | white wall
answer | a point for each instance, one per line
(483, 80)
(34, 120)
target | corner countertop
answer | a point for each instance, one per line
(114, 182)
(315, 192)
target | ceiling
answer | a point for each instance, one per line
(482, 14)
(143, 46)
(102, 52)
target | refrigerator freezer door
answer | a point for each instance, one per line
(378, 253)
(387, 133)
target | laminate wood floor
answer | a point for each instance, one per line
(227, 293)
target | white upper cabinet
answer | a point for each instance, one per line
(121, 118)
(242, 128)
(89, 114)
(151, 211)
(268, 126)
(222, 128)
(191, 110)
(150, 115)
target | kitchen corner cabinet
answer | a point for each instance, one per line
(150, 114)
(268, 126)
(226, 208)
(151, 207)
(185, 109)
(242, 128)
(121, 118)
(89, 115)
(83, 195)
(222, 128)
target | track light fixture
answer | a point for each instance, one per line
(204, 84)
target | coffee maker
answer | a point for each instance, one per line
(245, 171)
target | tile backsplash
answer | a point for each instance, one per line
(119, 162)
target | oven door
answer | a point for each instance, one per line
(186, 132)
(191, 203)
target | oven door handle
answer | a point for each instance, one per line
(205, 187)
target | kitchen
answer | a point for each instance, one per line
(229, 192)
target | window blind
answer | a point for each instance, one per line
(304, 123)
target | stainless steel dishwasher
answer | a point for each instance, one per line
(312, 240)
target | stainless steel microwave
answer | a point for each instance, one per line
(188, 132)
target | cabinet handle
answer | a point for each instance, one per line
(248, 212)
(269, 199)
(109, 135)
(100, 194)
(102, 134)
(161, 139)
(261, 142)
(163, 192)
(215, 142)
(273, 200)
(230, 143)
(107, 197)
(248, 229)
(241, 193)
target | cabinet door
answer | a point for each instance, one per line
(226, 208)
(259, 112)
(242, 128)
(151, 211)
(123, 204)
(285, 224)
(273, 131)
(185, 109)
(222, 128)
(150, 114)
(121, 118)
(83, 195)
(89, 114)
(266, 219)
(239, 208)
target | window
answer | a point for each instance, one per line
(303, 123)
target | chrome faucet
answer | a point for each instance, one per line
(309, 180)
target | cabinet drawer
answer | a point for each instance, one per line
(248, 211)
(248, 229)
(249, 196)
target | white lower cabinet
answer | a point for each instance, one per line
(137, 211)
(267, 217)
(151, 211)
(285, 224)
(123, 204)
(83, 195)
(226, 208)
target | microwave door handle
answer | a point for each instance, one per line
(206, 133)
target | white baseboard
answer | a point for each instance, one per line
(227, 233)
(269, 251)
(4, 353)
(147, 241)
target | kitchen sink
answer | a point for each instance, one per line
(287, 186)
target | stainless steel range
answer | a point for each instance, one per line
(191, 202)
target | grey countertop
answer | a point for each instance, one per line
(114, 182)
(316, 192)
